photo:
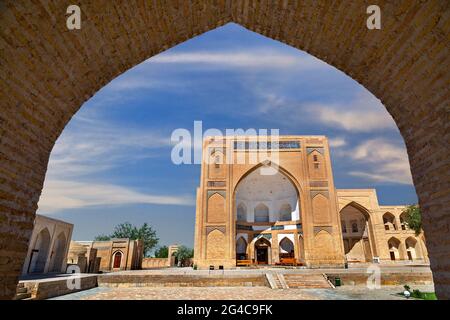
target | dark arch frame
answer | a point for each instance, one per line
(407, 71)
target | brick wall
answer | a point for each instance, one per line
(48, 72)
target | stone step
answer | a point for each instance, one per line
(23, 296)
(306, 281)
(22, 290)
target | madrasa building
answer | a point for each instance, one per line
(266, 202)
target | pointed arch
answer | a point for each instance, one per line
(40, 252)
(357, 233)
(59, 253)
(285, 212)
(321, 208)
(413, 249)
(216, 208)
(261, 213)
(286, 248)
(241, 212)
(215, 245)
(394, 248)
(116, 260)
(389, 222)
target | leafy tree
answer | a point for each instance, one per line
(183, 254)
(413, 218)
(127, 230)
(162, 252)
(102, 237)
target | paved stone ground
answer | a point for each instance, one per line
(239, 293)
(399, 268)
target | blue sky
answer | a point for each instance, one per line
(112, 162)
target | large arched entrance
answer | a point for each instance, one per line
(48, 72)
(357, 233)
(268, 205)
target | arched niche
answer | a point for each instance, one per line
(268, 195)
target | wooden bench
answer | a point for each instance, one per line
(241, 263)
(288, 262)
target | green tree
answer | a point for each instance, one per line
(183, 254)
(102, 237)
(413, 218)
(127, 230)
(162, 252)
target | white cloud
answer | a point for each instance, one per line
(364, 114)
(261, 58)
(64, 194)
(337, 142)
(91, 146)
(387, 162)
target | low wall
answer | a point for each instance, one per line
(112, 280)
(150, 263)
(48, 288)
(387, 279)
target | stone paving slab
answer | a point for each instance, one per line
(236, 293)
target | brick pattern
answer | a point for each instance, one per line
(48, 72)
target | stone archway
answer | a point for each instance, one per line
(357, 233)
(40, 252)
(48, 72)
(59, 253)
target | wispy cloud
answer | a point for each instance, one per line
(260, 58)
(363, 114)
(89, 147)
(59, 195)
(387, 162)
(337, 142)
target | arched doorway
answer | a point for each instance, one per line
(117, 260)
(59, 252)
(40, 252)
(394, 249)
(241, 249)
(262, 251)
(389, 222)
(286, 248)
(395, 76)
(357, 233)
(412, 249)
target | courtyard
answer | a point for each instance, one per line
(237, 293)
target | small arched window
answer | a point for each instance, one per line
(217, 162)
(315, 158)
(344, 226)
(286, 212)
(354, 227)
(261, 213)
(241, 212)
